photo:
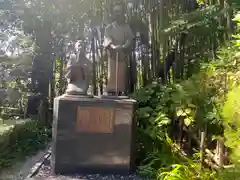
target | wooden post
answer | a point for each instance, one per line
(202, 146)
(94, 78)
(220, 152)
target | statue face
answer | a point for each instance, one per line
(80, 46)
(118, 13)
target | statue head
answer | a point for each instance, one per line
(118, 13)
(80, 46)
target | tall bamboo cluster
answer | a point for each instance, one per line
(171, 36)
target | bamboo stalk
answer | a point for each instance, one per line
(211, 164)
(220, 152)
(202, 147)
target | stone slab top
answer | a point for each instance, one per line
(90, 98)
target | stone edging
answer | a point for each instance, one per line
(35, 169)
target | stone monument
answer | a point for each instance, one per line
(117, 41)
(91, 134)
(79, 70)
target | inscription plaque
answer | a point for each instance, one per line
(95, 120)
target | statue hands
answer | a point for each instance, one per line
(117, 47)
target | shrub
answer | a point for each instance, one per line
(22, 139)
(201, 101)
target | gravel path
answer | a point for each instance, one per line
(21, 171)
(45, 174)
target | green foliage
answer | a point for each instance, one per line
(201, 101)
(181, 172)
(236, 3)
(230, 111)
(230, 173)
(210, 97)
(21, 139)
(158, 106)
(231, 114)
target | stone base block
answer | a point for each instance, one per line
(93, 135)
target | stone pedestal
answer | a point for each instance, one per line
(93, 135)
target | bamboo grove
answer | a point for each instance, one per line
(169, 38)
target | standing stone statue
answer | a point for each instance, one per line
(79, 71)
(117, 40)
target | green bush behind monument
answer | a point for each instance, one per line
(20, 139)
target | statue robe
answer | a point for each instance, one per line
(117, 72)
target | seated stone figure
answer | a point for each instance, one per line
(79, 71)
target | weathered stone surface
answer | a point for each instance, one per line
(93, 135)
(95, 119)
